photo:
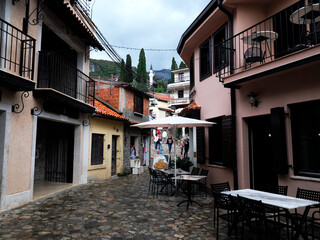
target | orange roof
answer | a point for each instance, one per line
(103, 109)
(191, 106)
(161, 96)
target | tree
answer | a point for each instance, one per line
(142, 76)
(182, 65)
(122, 71)
(174, 66)
(129, 74)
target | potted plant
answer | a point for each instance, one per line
(183, 163)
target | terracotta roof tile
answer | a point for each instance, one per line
(103, 109)
(161, 96)
(191, 106)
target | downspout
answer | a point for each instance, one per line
(232, 90)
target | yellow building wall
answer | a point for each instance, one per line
(108, 128)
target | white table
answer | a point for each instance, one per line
(189, 179)
(306, 15)
(277, 200)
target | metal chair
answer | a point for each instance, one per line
(253, 218)
(312, 228)
(218, 188)
(227, 203)
(195, 171)
(252, 55)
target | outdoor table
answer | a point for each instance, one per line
(285, 202)
(306, 15)
(189, 179)
(169, 173)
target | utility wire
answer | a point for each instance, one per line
(148, 49)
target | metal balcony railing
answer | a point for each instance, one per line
(57, 73)
(83, 5)
(290, 30)
(17, 51)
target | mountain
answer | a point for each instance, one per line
(107, 69)
(164, 74)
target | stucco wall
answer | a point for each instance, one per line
(299, 84)
(108, 128)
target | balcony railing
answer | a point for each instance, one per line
(57, 73)
(17, 51)
(83, 5)
(290, 30)
(179, 101)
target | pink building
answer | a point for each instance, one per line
(254, 71)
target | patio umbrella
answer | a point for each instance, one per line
(174, 122)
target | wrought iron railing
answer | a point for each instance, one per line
(290, 30)
(57, 73)
(84, 6)
(17, 51)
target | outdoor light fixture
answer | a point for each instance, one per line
(252, 99)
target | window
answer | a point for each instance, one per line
(180, 94)
(181, 75)
(138, 104)
(219, 51)
(191, 72)
(222, 142)
(97, 149)
(205, 60)
(305, 127)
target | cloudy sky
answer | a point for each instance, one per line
(148, 24)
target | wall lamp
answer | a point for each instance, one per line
(252, 99)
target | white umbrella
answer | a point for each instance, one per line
(174, 122)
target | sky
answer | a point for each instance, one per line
(148, 24)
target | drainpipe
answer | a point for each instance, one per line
(232, 90)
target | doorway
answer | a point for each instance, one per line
(114, 155)
(54, 152)
(262, 173)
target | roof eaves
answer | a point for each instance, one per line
(196, 23)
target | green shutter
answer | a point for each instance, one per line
(201, 156)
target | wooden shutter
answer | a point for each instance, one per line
(278, 137)
(97, 149)
(228, 142)
(201, 156)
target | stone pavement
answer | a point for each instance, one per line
(119, 208)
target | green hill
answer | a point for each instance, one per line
(104, 68)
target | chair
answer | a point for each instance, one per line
(312, 228)
(218, 188)
(227, 203)
(309, 195)
(252, 55)
(253, 217)
(151, 179)
(195, 171)
(159, 180)
(204, 172)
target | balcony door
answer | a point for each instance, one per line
(57, 64)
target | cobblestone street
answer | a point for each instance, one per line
(120, 208)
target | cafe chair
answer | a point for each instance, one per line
(312, 228)
(203, 182)
(195, 171)
(254, 222)
(151, 180)
(252, 55)
(308, 195)
(159, 182)
(225, 202)
(218, 188)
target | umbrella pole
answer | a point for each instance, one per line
(175, 162)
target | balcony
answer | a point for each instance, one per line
(277, 39)
(17, 51)
(64, 83)
(178, 102)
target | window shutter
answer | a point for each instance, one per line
(278, 137)
(97, 149)
(201, 157)
(228, 142)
